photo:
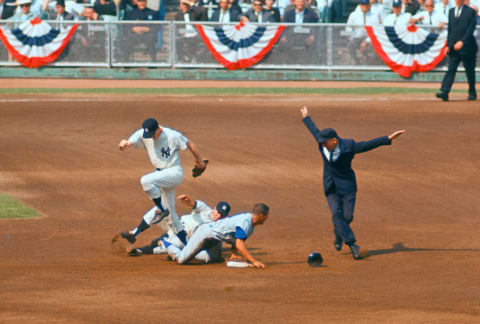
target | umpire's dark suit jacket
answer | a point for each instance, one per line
(338, 176)
(461, 29)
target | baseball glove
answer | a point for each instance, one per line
(197, 171)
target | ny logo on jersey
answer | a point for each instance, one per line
(166, 152)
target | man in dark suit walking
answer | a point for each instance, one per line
(339, 182)
(461, 47)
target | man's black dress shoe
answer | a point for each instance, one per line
(472, 97)
(441, 95)
(355, 251)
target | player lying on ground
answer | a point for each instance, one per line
(339, 182)
(162, 145)
(233, 230)
(201, 213)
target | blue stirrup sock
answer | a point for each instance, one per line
(158, 203)
(182, 235)
(140, 228)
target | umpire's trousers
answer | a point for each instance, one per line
(342, 207)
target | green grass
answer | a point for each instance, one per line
(12, 208)
(224, 91)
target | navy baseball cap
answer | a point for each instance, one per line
(364, 2)
(149, 126)
(223, 208)
(326, 134)
(397, 3)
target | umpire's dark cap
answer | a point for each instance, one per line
(326, 134)
(149, 126)
(223, 208)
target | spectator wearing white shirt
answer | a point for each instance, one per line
(397, 17)
(444, 6)
(376, 9)
(429, 16)
(359, 44)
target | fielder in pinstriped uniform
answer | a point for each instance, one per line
(162, 145)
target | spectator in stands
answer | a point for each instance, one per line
(387, 8)
(340, 10)
(376, 9)
(138, 33)
(429, 16)
(7, 8)
(24, 13)
(274, 12)
(234, 5)
(189, 45)
(359, 44)
(299, 37)
(224, 13)
(199, 9)
(410, 6)
(257, 14)
(59, 14)
(443, 6)
(76, 9)
(107, 9)
(91, 37)
(397, 17)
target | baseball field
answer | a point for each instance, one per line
(416, 217)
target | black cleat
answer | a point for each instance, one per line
(338, 243)
(135, 252)
(355, 251)
(442, 95)
(129, 237)
(472, 97)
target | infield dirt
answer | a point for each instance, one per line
(417, 212)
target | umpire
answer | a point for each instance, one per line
(339, 181)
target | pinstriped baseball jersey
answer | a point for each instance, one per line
(163, 151)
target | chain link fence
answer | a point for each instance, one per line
(178, 44)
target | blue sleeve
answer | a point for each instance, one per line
(361, 147)
(311, 127)
(240, 233)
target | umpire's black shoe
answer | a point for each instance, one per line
(355, 251)
(442, 95)
(129, 237)
(338, 243)
(472, 97)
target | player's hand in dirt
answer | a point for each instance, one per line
(396, 134)
(304, 111)
(258, 264)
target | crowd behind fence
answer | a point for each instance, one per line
(176, 44)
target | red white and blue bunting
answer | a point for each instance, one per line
(35, 43)
(240, 46)
(407, 49)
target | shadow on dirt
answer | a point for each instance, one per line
(399, 247)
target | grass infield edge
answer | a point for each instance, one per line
(11, 208)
